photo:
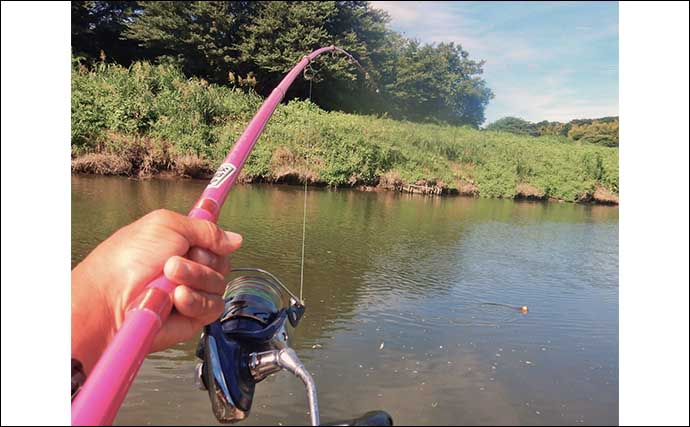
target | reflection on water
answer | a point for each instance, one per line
(394, 287)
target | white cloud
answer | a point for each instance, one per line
(537, 105)
(435, 22)
(419, 13)
(528, 80)
(553, 99)
(401, 12)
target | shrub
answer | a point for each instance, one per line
(160, 120)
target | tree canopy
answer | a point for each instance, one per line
(602, 131)
(514, 125)
(255, 43)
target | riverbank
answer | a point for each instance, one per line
(150, 120)
(100, 165)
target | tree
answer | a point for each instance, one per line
(198, 35)
(256, 43)
(97, 27)
(603, 131)
(514, 125)
(437, 83)
(362, 31)
(600, 132)
(281, 33)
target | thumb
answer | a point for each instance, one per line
(207, 235)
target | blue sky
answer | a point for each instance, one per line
(544, 60)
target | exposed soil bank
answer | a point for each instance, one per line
(184, 167)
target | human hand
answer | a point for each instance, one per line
(192, 253)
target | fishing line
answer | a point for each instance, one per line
(310, 74)
(521, 308)
(310, 78)
(511, 314)
(304, 234)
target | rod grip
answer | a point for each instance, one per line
(107, 385)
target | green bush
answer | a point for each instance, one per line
(514, 125)
(194, 117)
(603, 131)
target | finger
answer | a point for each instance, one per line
(177, 328)
(194, 275)
(203, 256)
(201, 306)
(208, 235)
(198, 232)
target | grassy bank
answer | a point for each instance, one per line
(150, 119)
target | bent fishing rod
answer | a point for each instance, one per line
(107, 385)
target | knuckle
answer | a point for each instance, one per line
(215, 234)
(206, 305)
(198, 309)
(159, 216)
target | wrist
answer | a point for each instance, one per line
(93, 324)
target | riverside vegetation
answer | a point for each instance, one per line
(149, 119)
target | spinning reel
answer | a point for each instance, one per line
(250, 342)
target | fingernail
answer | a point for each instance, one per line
(192, 299)
(181, 268)
(173, 267)
(233, 237)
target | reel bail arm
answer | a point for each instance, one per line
(263, 364)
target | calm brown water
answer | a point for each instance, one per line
(411, 273)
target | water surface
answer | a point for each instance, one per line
(409, 273)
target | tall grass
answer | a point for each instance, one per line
(114, 108)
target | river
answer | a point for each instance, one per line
(395, 287)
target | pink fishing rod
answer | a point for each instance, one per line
(106, 386)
